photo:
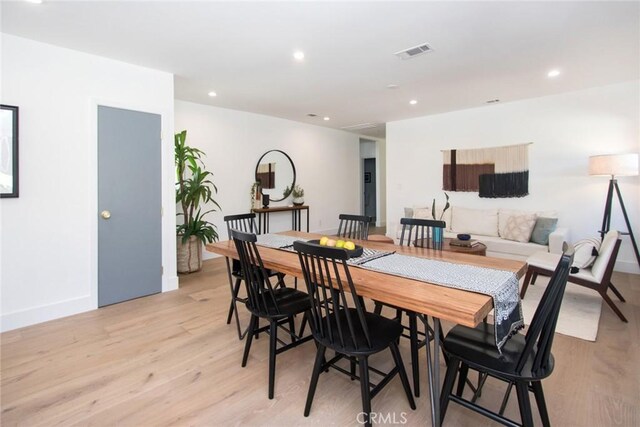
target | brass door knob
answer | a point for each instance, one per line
(105, 214)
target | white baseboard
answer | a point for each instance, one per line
(169, 283)
(627, 267)
(44, 313)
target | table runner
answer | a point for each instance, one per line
(501, 286)
(278, 241)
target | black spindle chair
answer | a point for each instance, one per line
(418, 232)
(525, 360)
(247, 224)
(343, 324)
(421, 232)
(354, 226)
(277, 305)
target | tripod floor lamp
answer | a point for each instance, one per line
(615, 165)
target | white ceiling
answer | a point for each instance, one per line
(243, 51)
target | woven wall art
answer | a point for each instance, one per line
(492, 172)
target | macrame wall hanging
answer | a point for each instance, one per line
(492, 172)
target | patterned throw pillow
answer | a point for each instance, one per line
(586, 252)
(520, 227)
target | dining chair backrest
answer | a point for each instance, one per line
(539, 337)
(260, 297)
(329, 282)
(354, 226)
(242, 222)
(421, 232)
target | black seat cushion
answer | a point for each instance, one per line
(290, 301)
(477, 347)
(382, 331)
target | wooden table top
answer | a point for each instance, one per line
(455, 305)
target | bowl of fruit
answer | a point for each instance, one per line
(352, 249)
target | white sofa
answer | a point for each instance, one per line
(488, 227)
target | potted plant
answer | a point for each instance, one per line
(298, 195)
(194, 189)
(255, 195)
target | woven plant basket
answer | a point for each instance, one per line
(189, 255)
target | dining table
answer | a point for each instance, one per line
(457, 306)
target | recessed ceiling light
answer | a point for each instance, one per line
(298, 55)
(326, 118)
(212, 94)
(553, 73)
(413, 102)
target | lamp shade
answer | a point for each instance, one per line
(614, 164)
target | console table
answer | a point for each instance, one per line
(296, 217)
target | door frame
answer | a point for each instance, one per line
(169, 275)
(364, 185)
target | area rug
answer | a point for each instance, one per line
(579, 313)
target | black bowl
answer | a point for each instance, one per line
(464, 236)
(352, 254)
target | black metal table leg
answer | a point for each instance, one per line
(433, 371)
(307, 220)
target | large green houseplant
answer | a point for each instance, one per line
(194, 189)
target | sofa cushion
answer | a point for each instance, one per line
(520, 227)
(474, 221)
(504, 214)
(543, 228)
(503, 246)
(422, 213)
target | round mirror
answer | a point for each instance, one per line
(275, 172)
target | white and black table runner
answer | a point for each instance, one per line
(500, 285)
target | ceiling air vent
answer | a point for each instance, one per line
(360, 126)
(412, 52)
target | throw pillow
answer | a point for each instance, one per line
(422, 213)
(408, 213)
(483, 222)
(586, 252)
(520, 227)
(542, 229)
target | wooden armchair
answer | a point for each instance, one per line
(598, 277)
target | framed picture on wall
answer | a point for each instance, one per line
(8, 151)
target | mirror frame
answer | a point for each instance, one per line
(293, 167)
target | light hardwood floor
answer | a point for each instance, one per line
(170, 359)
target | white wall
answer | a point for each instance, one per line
(325, 159)
(49, 234)
(565, 130)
